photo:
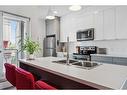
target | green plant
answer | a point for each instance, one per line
(11, 46)
(30, 46)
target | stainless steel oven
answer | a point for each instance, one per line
(83, 35)
(84, 52)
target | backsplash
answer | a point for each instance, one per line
(114, 47)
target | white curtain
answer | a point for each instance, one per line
(1, 45)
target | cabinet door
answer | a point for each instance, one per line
(121, 22)
(109, 23)
(96, 58)
(64, 32)
(50, 27)
(103, 59)
(98, 24)
(120, 61)
(85, 21)
(53, 27)
(72, 28)
(73, 23)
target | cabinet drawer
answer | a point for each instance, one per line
(102, 59)
(120, 61)
(95, 58)
(107, 59)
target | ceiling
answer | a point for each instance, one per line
(42, 10)
(63, 9)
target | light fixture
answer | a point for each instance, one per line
(50, 17)
(75, 8)
(55, 12)
(95, 12)
(50, 14)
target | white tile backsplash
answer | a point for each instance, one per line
(114, 47)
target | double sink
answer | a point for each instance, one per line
(79, 64)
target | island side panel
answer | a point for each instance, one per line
(55, 80)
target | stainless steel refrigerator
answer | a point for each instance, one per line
(49, 46)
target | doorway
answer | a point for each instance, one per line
(12, 29)
(11, 36)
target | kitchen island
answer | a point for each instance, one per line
(105, 76)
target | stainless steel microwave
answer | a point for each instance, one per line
(84, 35)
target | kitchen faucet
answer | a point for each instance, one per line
(67, 61)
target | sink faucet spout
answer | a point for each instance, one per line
(67, 51)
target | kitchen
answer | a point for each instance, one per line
(106, 25)
(94, 36)
(108, 37)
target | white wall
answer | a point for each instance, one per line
(37, 22)
(113, 46)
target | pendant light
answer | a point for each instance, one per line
(75, 8)
(50, 14)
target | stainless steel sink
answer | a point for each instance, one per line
(86, 65)
(82, 64)
(65, 61)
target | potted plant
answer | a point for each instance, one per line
(30, 47)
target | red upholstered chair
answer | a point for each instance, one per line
(10, 73)
(42, 85)
(24, 79)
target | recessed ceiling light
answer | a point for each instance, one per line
(50, 14)
(50, 17)
(55, 12)
(95, 12)
(75, 8)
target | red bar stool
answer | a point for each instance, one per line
(10, 73)
(42, 85)
(25, 80)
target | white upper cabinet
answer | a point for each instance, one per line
(98, 25)
(50, 27)
(109, 24)
(121, 22)
(85, 22)
(73, 23)
(67, 29)
(53, 27)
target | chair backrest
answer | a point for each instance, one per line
(10, 73)
(42, 85)
(24, 79)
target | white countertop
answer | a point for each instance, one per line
(105, 76)
(110, 55)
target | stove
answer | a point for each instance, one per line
(83, 52)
